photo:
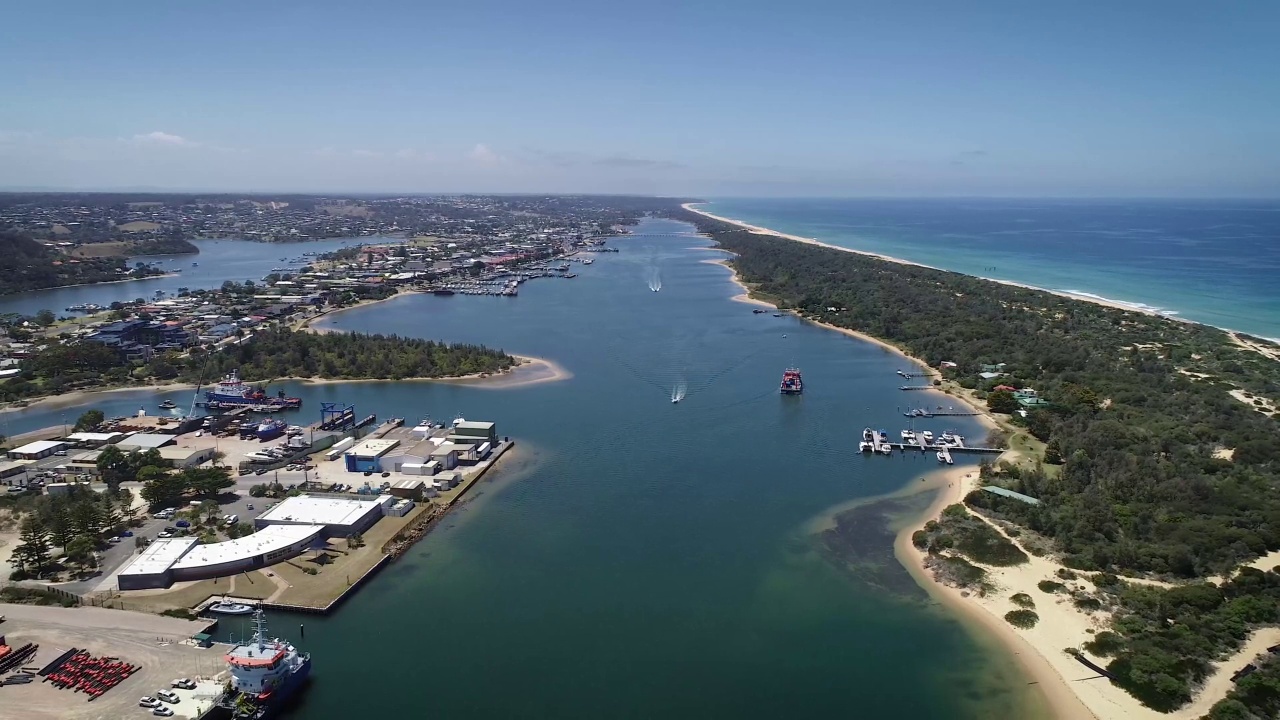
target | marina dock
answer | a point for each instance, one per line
(903, 447)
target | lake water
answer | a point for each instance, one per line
(1212, 261)
(217, 262)
(638, 558)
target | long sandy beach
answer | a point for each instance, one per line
(1072, 691)
(889, 258)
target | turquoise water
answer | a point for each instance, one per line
(1212, 261)
(638, 558)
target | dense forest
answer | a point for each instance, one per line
(270, 354)
(286, 353)
(28, 265)
(1157, 468)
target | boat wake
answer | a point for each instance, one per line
(655, 279)
(679, 391)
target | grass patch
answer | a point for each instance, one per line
(1022, 600)
(1025, 619)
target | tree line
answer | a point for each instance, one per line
(277, 353)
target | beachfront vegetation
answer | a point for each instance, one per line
(272, 353)
(276, 353)
(1022, 600)
(958, 529)
(1255, 696)
(1156, 468)
(1143, 487)
(1025, 619)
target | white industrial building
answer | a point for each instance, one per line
(92, 439)
(170, 560)
(339, 516)
(142, 442)
(367, 456)
(37, 450)
(153, 568)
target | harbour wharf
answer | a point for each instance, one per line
(903, 447)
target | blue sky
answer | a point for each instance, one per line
(727, 98)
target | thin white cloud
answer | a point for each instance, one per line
(484, 156)
(157, 137)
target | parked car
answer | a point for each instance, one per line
(127, 533)
(162, 711)
(168, 696)
(183, 524)
(148, 702)
(184, 683)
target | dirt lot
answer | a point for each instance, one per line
(146, 640)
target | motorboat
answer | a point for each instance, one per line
(223, 607)
(868, 443)
(927, 435)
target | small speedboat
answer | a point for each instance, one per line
(230, 608)
(168, 405)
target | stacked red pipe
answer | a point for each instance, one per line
(93, 676)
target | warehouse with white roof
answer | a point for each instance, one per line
(339, 516)
(285, 531)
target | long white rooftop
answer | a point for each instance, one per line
(266, 540)
(159, 556)
(319, 510)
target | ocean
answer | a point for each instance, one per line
(1212, 261)
(637, 558)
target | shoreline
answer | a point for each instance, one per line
(1037, 652)
(1084, 297)
(542, 370)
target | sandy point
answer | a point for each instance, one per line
(529, 371)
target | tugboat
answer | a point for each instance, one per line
(265, 674)
(232, 392)
(792, 383)
(224, 607)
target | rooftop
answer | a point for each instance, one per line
(93, 437)
(319, 510)
(373, 448)
(147, 440)
(39, 446)
(159, 556)
(266, 540)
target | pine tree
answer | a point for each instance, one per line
(32, 552)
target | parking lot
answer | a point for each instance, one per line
(152, 642)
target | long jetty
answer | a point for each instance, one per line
(949, 448)
(940, 413)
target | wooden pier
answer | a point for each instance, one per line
(917, 387)
(903, 447)
(940, 413)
